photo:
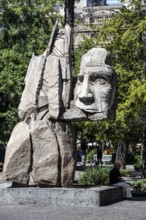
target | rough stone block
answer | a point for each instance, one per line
(18, 159)
(52, 78)
(45, 154)
(66, 140)
(33, 81)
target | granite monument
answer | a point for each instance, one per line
(41, 149)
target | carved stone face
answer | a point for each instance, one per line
(95, 89)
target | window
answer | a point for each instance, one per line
(92, 3)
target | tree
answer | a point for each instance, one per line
(122, 36)
(25, 27)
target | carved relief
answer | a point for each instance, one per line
(96, 84)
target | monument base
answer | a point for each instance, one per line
(55, 196)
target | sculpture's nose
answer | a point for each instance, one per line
(85, 94)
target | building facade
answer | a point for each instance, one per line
(92, 12)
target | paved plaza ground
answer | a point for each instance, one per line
(124, 210)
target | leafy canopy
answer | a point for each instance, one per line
(25, 27)
(123, 37)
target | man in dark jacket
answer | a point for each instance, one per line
(116, 180)
(99, 155)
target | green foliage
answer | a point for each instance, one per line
(138, 159)
(138, 163)
(98, 177)
(87, 44)
(139, 185)
(90, 155)
(138, 166)
(123, 37)
(25, 29)
(94, 131)
(125, 172)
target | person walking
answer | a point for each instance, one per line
(99, 155)
(116, 180)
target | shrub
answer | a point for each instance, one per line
(137, 159)
(90, 155)
(138, 166)
(139, 185)
(125, 172)
(97, 176)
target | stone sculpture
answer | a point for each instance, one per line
(95, 91)
(41, 149)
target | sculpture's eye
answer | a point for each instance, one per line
(101, 80)
(98, 79)
(80, 78)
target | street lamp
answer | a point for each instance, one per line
(94, 144)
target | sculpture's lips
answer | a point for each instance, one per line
(87, 101)
(89, 105)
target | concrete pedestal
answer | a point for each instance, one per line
(75, 196)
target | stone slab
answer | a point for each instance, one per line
(55, 196)
(33, 80)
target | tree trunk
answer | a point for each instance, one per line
(121, 154)
(143, 175)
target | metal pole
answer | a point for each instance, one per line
(69, 12)
(69, 19)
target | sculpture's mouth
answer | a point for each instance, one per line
(90, 105)
(87, 101)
